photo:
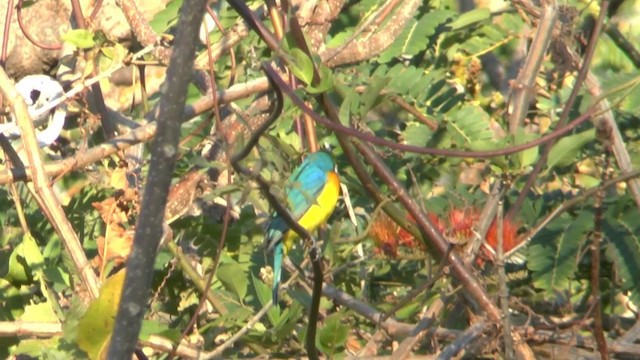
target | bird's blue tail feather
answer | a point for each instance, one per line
(277, 270)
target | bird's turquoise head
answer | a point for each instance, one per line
(321, 160)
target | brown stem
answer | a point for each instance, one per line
(142, 30)
(7, 31)
(596, 244)
(77, 14)
(363, 49)
(524, 85)
(28, 36)
(96, 8)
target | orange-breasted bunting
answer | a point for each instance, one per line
(312, 193)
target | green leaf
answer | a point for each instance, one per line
(371, 95)
(409, 311)
(333, 334)
(476, 42)
(622, 87)
(234, 278)
(415, 36)
(154, 327)
(301, 65)
(416, 134)
(26, 260)
(80, 38)
(623, 248)
(552, 255)
(469, 18)
(39, 349)
(11, 300)
(167, 17)
(565, 151)
(326, 81)
(264, 296)
(469, 124)
(291, 316)
(347, 108)
(526, 157)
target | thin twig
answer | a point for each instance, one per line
(30, 328)
(623, 43)
(6, 33)
(29, 37)
(235, 337)
(503, 290)
(596, 244)
(77, 14)
(469, 335)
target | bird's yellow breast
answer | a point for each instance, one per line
(319, 212)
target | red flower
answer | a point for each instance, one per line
(457, 228)
(461, 223)
(384, 230)
(509, 239)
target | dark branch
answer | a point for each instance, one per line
(164, 152)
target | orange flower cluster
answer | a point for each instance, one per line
(510, 239)
(388, 235)
(457, 227)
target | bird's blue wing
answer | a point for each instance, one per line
(304, 189)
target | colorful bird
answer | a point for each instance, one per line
(312, 193)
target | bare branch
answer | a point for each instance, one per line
(164, 153)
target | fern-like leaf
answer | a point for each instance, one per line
(623, 248)
(552, 255)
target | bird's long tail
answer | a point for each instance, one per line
(277, 271)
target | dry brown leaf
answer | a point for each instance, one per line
(116, 245)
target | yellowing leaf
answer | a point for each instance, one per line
(95, 326)
(119, 178)
(42, 312)
(81, 38)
